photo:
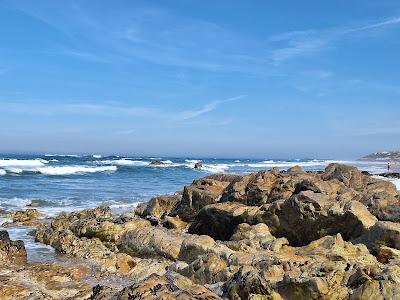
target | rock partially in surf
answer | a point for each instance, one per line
(156, 163)
(37, 203)
(390, 175)
(11, 251)
(198, 165)
(29, 217)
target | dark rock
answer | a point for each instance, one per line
(220, 220)
(156, 163)
(11, 251)
(381, 234)
(198, 165)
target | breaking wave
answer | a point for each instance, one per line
(22, 162)
(69, 170)
(124, 162)
(60, 170)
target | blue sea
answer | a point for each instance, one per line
(71, 182)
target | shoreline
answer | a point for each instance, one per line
(216, 238)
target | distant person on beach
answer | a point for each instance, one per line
(388, 165)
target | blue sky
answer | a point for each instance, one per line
(200, 78)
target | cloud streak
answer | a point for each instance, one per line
(43, 108)
(209, 107)
(307, 42)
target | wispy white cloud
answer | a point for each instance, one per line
(44, 108)
(385, 23)
(307, 42)
(209, 107)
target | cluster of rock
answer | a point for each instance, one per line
(266, 235)
(22, 280)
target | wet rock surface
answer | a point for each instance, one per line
(267, 235)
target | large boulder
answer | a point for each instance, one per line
(253, 189)
(308, 216)
(157, 208)
(220, 220)
(350, 176)
(168, 244)
(382, 199)
(200, 193)
(11, 251)
(383, 233)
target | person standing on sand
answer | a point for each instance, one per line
(388, 166)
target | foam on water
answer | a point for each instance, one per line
(288, 164)
(14, 202)
(22, 162)
(124, 162)
(69, 170)
(62, 155)
(215, 168)
(60, 170)
(2, 172)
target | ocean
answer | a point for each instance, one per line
(56, 183)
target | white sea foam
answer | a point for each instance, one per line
(96, 156)
(237, 161)
(192, 160)
(62, 155)
(22, 162)
(54, 160)
(124, 162)
(14, 202)
(215, 168)
(69, 170)
(288, 164)
(2, 172)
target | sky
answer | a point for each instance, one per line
(265, 79)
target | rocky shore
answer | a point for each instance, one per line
(267, 235)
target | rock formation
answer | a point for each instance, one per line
(267, 235)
